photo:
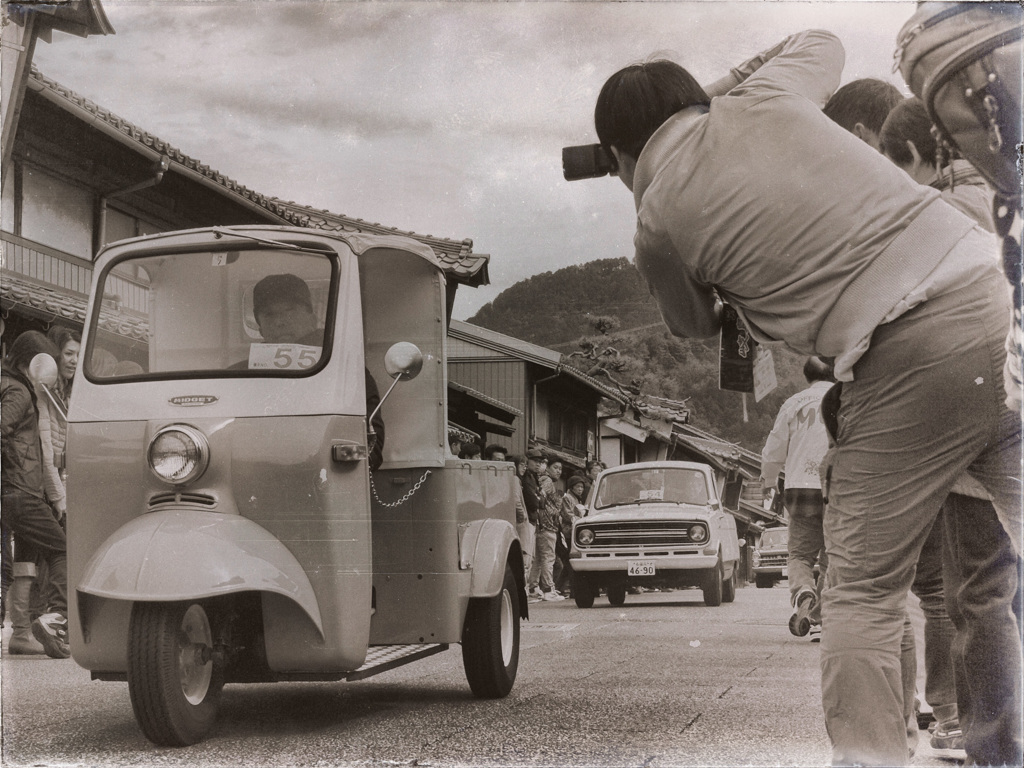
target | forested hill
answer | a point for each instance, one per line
(601, 316)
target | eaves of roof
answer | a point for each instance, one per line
(602, 389)
(507, 345)
(76, 17)
(455, 256)
(503, 409)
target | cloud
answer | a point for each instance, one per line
(440, 117)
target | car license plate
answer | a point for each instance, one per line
(640, 568)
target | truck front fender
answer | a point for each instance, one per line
(193, 554)
(484, 549)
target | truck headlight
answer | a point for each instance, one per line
(179, 454)
(755, 558)
(585, 536)
(698, 533)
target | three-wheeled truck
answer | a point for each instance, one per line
(227, 526)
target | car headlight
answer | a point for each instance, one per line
(698, 533)
(585, 536)
(755, 558)
(179, 454)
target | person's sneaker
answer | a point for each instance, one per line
(815, 632)
(552, 596)
(51, 630)
(535, 592)
(948, 740)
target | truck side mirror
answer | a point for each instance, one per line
(42, 370)
(403, 361)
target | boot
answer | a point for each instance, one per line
(18, 598)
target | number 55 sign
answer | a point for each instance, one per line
(282, 357)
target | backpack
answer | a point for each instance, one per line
(963, 60)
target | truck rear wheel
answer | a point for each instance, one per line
(173, 679)
(490, 641)
(712, 587)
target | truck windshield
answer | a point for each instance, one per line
(678, 486)
(775, 538)
(248, 312)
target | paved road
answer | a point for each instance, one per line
(661, 681)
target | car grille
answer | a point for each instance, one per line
(177, 498)
(646, 534)
(773, 561)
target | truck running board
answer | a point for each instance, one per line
(381, 658)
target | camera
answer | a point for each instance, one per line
(589, 161)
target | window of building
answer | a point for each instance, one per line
(56, 213)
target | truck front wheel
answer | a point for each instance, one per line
(174, 680)
(490, 641)
(712, 586)
(582, 591)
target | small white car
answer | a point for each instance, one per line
(655, 524)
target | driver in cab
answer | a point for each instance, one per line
(283, 308)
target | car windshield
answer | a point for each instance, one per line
(679, 486)
(248, 312)
(776, 538)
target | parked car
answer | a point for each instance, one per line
(770, 557)
(655, 524)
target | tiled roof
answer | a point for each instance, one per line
(51, 302)
(662, 408)
(463, 435)
(459, 262)
(484, 398)
(456, 256)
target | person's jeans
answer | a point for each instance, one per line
(926, 404)
(982, 582)
(38, 537)
(806, 544)
(543, 561)
(939, 682)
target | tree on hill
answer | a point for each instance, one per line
(602, 318)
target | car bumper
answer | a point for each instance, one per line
(661, 564)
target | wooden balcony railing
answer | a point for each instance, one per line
(70, 273)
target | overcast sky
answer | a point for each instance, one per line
(443, 118)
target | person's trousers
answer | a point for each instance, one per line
(939, 680)
(926, 404)
(527, 540)
(805, 509)
(543, 561)
(38, 537)
(982, 584)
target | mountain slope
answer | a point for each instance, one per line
(602, 318)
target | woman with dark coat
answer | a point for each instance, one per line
(26, 513)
